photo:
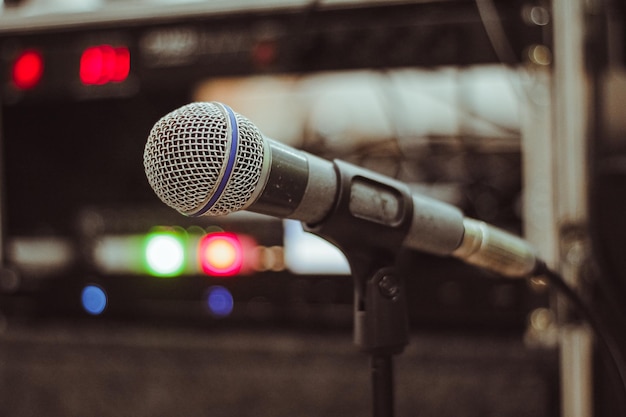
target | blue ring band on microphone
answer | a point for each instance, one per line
(230, 164)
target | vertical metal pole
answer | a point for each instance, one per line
(571, 99)
(382, 385)
(538, 154)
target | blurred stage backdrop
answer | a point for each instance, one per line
(113, 304)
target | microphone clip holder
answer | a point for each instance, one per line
(369, 222)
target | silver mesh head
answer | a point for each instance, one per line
(192, 158)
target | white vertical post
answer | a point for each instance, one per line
(571, 115)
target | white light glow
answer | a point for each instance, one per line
(308, 254)
(164, 254)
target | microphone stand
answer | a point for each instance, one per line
(381, 329)
(371, 236)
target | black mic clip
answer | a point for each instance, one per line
(368, 223)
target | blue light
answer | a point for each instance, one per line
(94, 299)
(220, 301)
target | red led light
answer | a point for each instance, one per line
(103, 64)
(221, 254)
(27, 69)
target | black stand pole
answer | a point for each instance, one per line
(382, 385)
(381, 329)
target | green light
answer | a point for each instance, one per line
(164, 254)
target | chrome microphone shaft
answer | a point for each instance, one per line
(496, 250)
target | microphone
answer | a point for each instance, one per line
(204, 159)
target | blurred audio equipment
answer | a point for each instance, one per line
(100, 215)
(83, 234)
(124, 49)
(105, 293)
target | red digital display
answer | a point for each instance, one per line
(104, 64)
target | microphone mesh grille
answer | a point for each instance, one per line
(187, 151)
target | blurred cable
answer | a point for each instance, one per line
(495, 32)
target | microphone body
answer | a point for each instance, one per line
(205, 159)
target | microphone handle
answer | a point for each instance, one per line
(301, 186)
